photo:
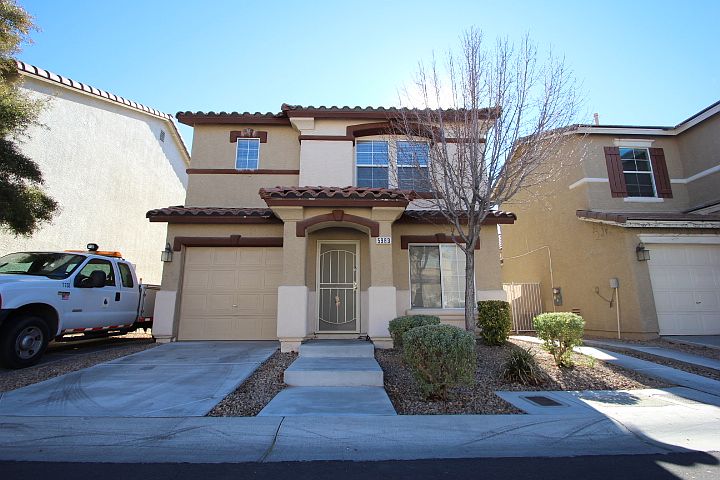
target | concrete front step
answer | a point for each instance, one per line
(334, 401)
(337, 349)
(334, 372)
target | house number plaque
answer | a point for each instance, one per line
(383, 240)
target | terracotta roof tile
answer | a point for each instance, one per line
(435, 216)
(336, 192)
(181, 211)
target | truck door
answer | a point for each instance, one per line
(129, 297)
(90, 307)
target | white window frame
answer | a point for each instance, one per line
(392, 165)
(442, 281)
(357, 165)
(644, 172)
(398, 165)
(237, 152)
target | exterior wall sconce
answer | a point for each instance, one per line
(167, 254)
(643, 254)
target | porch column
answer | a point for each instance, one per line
(292, 321)
(382, 296)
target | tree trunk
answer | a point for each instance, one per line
(469, 289)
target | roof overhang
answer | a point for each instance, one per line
(650, 220)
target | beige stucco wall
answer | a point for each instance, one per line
(231, 190)
(700, 148)
(327, 163)
(594, 166)
(106, 167)
(586, 255)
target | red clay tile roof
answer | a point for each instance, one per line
(180, 211)
(623, 217)
(288, 111)
(434, 216)
(312, 193)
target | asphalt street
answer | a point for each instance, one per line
(691, 465)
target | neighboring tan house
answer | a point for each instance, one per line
(642, 207)
(262, 252)
(106, 160)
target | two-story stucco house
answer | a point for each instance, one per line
(640, 213)
(106, 160)
(303, 224)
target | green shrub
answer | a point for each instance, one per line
(440, 357)
(522, 367)
(398, 326)
(494, 321)
(560, 332)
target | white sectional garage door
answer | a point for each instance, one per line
(686, 286)
(230, 293)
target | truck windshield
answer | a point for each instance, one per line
(47, 264)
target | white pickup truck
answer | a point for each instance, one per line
(46, 295)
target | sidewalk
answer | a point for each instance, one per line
(698, 360)
(611, 430)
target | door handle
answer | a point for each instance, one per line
(117, 296)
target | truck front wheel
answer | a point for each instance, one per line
(23, 340)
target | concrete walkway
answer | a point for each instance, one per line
(611, 429)
(670, 375)
(709, 341)
(175, 379)
(659, 352)
(332, 377)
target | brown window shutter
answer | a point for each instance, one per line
(662, 179)
(615, 172)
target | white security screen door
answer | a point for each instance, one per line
(337, 287)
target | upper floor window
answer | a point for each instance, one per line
(637, 170)
(373, 163)
(412, 166)
(375, 168)
(247, 154)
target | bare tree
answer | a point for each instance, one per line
(493, 117)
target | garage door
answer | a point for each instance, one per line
(686, 286)
(230, 293)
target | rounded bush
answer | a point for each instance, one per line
(440, 357)
(560, 332)
(398, 326)
(494, 321)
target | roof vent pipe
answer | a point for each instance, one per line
(596, 117)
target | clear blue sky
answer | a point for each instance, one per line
(640, 62)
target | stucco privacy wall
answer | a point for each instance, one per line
(105, 165)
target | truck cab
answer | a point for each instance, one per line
(44, 295)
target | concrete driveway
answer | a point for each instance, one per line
(171, 380)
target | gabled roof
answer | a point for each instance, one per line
(290, 111)
(699, 117)
(48, 76)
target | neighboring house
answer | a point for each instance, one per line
(106, 160)
(262, 252)
(642, 207)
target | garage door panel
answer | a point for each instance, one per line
(230, 293)
(686, 286)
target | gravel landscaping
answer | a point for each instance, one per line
(481, 399)
(63, 363)
(257, 391)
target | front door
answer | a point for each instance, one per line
(337, 289)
